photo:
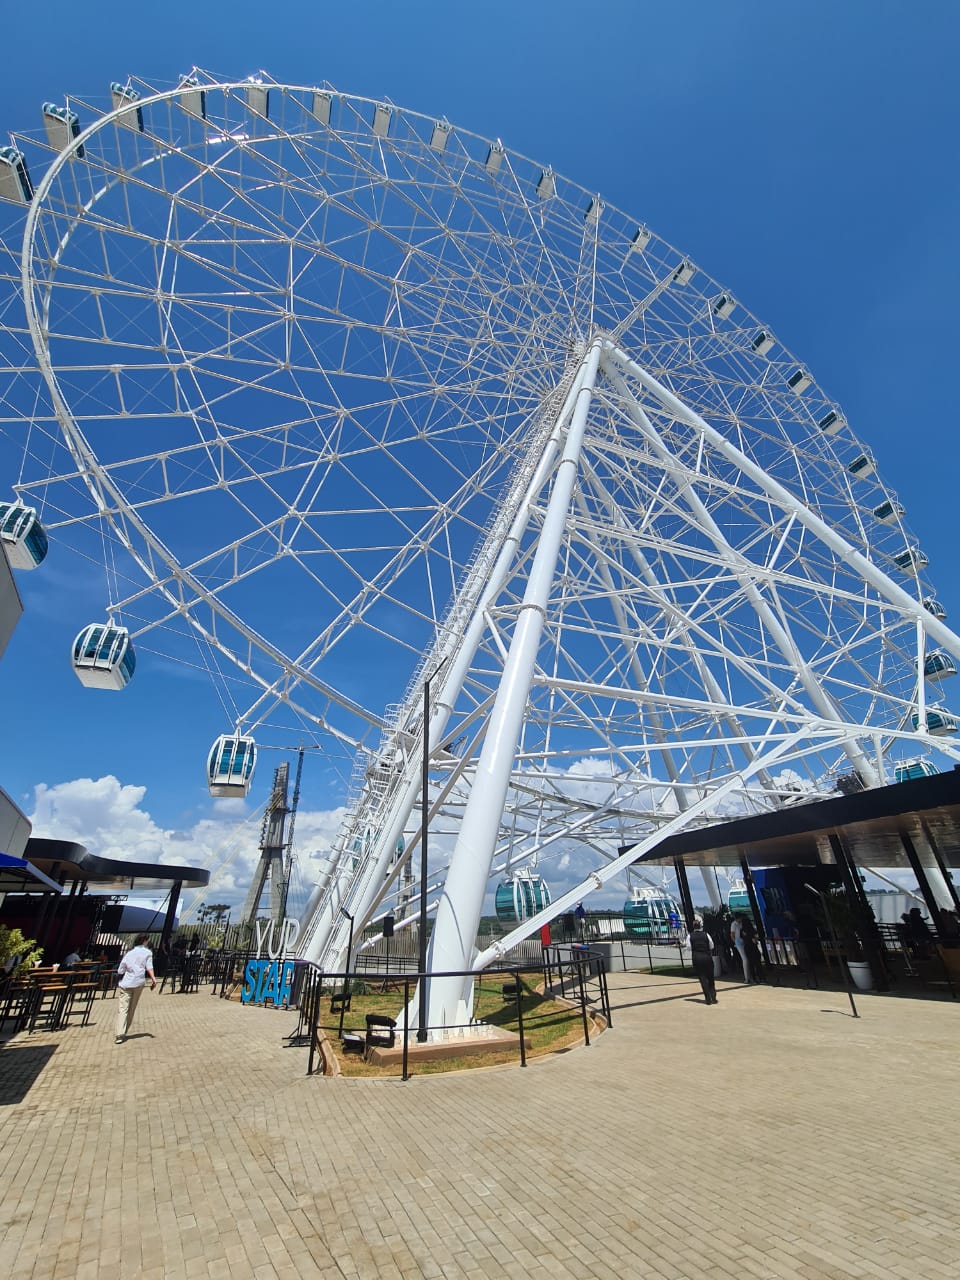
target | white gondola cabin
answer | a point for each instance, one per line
(939, 722)
(651, 913)
(763, 342)
(724, 306)
(61, 125)
(799, 381)
(494, 158)
(910, 770)
(862, 466)
(258, 98)
(382, 116)
(230, 766)
(684, 273)
(192, 98)
(594, 210)
(641, 238)
(546, 184)
(124, 99)
(939, 666)
(103, 656)
(15, 184)
(439, 136)
(911, 560)
(22, 534)
(889, 512)
(934, 607)
(832, 422)
(521, 897)
(320, 105)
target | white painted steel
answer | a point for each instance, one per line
(299, 385)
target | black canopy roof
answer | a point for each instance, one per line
(870, 823)
(63, 859)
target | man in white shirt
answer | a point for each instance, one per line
(135, 967)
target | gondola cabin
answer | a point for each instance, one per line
(258, 98)
(888, 512)
(15, 184)
(640, 240)
(521, 897)
(939, 666)
(22, 535)
(910, 770)
(738, 900)
(832, 422)
(911, 560)
(862, 466)
(940, 723)
(193, 99)
(934, 608)
(684, 273)
(650, 913)
(103, 657)
(123, 99)
(230, 766)
(61, 125)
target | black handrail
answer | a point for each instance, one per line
(311, 995)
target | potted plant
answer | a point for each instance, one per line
(17, 953)
(841, 922)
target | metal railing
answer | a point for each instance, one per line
(579, 976)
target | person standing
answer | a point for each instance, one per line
(701, 957)
(740, 942)
(135, 967)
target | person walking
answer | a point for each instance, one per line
(701, 957)
(135, 967)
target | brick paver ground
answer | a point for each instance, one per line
(771, 1136)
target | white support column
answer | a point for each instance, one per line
(709, 877)
(322, 939)
(461, 903)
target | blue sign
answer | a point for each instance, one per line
(265, 980)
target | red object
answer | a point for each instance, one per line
(544, 935)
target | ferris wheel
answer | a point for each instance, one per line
(410, 441)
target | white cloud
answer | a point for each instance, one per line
(109, 818)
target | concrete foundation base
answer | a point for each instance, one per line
(492, 1040)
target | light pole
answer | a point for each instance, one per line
(425, 807)
(345, 994)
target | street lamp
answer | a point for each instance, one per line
(345, 994)
(425, 807)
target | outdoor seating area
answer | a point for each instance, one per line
(48, 997)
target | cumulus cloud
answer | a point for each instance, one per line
(111, 819)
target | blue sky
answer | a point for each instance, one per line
(802, 153)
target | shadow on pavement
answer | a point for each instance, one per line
(19, 1068)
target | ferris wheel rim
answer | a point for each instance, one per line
(705, 289)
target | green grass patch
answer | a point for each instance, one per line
(548, 1025)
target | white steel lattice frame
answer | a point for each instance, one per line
(305, 387)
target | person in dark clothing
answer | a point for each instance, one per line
(701, 954)
(754, 955)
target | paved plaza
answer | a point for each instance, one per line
(771, 1136)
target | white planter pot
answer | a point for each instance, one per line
(861, 974)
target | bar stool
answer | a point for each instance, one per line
(82, 993)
